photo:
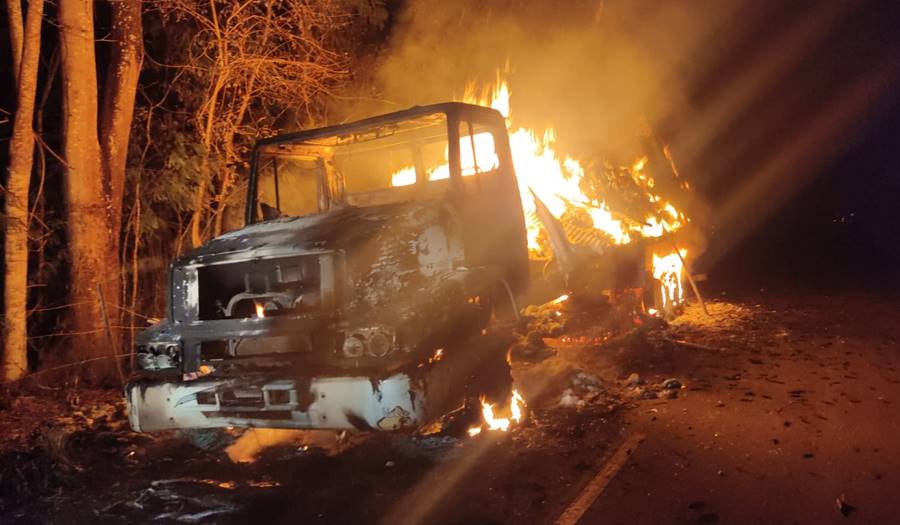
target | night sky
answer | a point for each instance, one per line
(838, 228)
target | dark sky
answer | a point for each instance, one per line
(824, 139)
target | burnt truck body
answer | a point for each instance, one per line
(375, 257)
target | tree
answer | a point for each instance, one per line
(16, 34)
(95, 174)
(86, 227)
(247, 64)
(26, 49)
(123, 72)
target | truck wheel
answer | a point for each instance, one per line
(490, 379)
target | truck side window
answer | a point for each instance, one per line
(477, 152)
(478, 158)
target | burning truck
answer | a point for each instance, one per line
(377, 260)
(381, 265)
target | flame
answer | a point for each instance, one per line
(404, 177)
(667, 270)
(438, 354)
(260, 311)
(492, 422)
(561, 299)
(555, 179)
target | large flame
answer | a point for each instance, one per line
(556, 180)
(558, 184)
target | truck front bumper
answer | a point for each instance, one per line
(333, 403)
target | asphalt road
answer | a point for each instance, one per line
(798, 412)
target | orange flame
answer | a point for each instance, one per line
(554, 179)
(260, 311)
(492, 422)
(667, 270)
(561, 299)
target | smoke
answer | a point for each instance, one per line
(731, 87)
(595, 71)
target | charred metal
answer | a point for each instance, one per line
(326, 310)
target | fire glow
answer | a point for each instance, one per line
(490, 421)
(561, 299)
(667, 270)
(557, 180)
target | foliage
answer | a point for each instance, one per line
(217, 77)
(220, 76)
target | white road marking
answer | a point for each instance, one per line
(596, 486)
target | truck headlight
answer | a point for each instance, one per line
(158, 355)
(354, 346)
(379, 345)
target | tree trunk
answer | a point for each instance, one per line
(86, 219)
(16, 34)
(120, 87)
(21, 157)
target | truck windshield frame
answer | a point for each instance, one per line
(419, 148)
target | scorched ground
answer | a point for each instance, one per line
(787, 405)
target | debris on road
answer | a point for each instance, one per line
(843, 507)
(585, 388)
(634, 379)
(671, 383)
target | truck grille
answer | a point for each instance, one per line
(254, 288)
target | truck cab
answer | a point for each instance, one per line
(376, 260)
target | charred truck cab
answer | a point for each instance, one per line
(376, 256)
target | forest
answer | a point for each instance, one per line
(129, 126)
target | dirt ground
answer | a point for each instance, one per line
(782, 411)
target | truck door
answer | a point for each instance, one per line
(494, 229)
